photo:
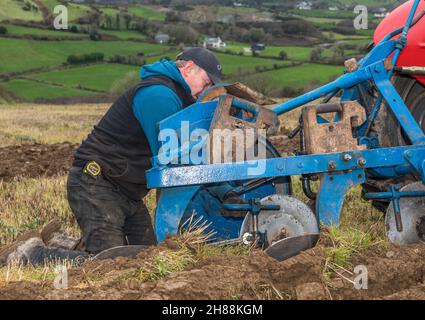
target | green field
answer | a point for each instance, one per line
(12, 9)
(97, 77)
(231, 64)
(29, 90)
(28, 54)
(293, 52)
(109, 11)
(324, 13)
(168, 55)
(124, 34)
(299, 76)
(20, 30)
(150, 13)
(75, 10)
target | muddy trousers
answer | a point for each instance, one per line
(106, 216)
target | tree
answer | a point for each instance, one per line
(172, 16)
(339, 50)
(108, 22)
(283, 55)
(94, 35)
(74, 28)
(256, 35)
(3, 30)
(127, 21)
(117, 21)
(316, 54)
(183, 34)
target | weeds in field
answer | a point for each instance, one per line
(16, 271)
(26, 123)
(29, 203)
(362, 228)
(163, 264)
(267, 291)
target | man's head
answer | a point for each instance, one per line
(199, 68)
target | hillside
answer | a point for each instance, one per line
(34, 60)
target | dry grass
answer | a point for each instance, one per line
(29, 123)
(15, 271)
(29, 203)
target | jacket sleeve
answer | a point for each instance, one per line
(151, 105)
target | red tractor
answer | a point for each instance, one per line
(409, 81)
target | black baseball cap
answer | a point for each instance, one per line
(204, 59)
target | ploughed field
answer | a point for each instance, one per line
(36, 152)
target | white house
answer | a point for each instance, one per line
(214, 43)
(162, 38)
(304, 5)
(381, 13)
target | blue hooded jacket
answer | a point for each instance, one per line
(155, 103)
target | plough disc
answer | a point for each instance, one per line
(130, 251)
(288, 231)
(412, 212)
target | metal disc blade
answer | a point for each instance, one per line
(130, 251)
(412, 212)
(289, 247)
(294, 217)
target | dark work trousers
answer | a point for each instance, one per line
(106, 216)
(107, 219)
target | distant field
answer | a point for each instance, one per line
(75, 10)
(324, 13)
(20, 30)
(170, 55)
(338, 36)
(30, 90)
(374, 3)
(109, 11)
(293, 52)
(11, 9)
(150, 13)
(319, 21)
(98, 77)
(301, 75)
(231, 64)
(124, 34)
(27, 54)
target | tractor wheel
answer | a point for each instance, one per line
(390, 134)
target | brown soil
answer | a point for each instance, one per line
(35, 160)
(396, 274)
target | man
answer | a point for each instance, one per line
(107, 183)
